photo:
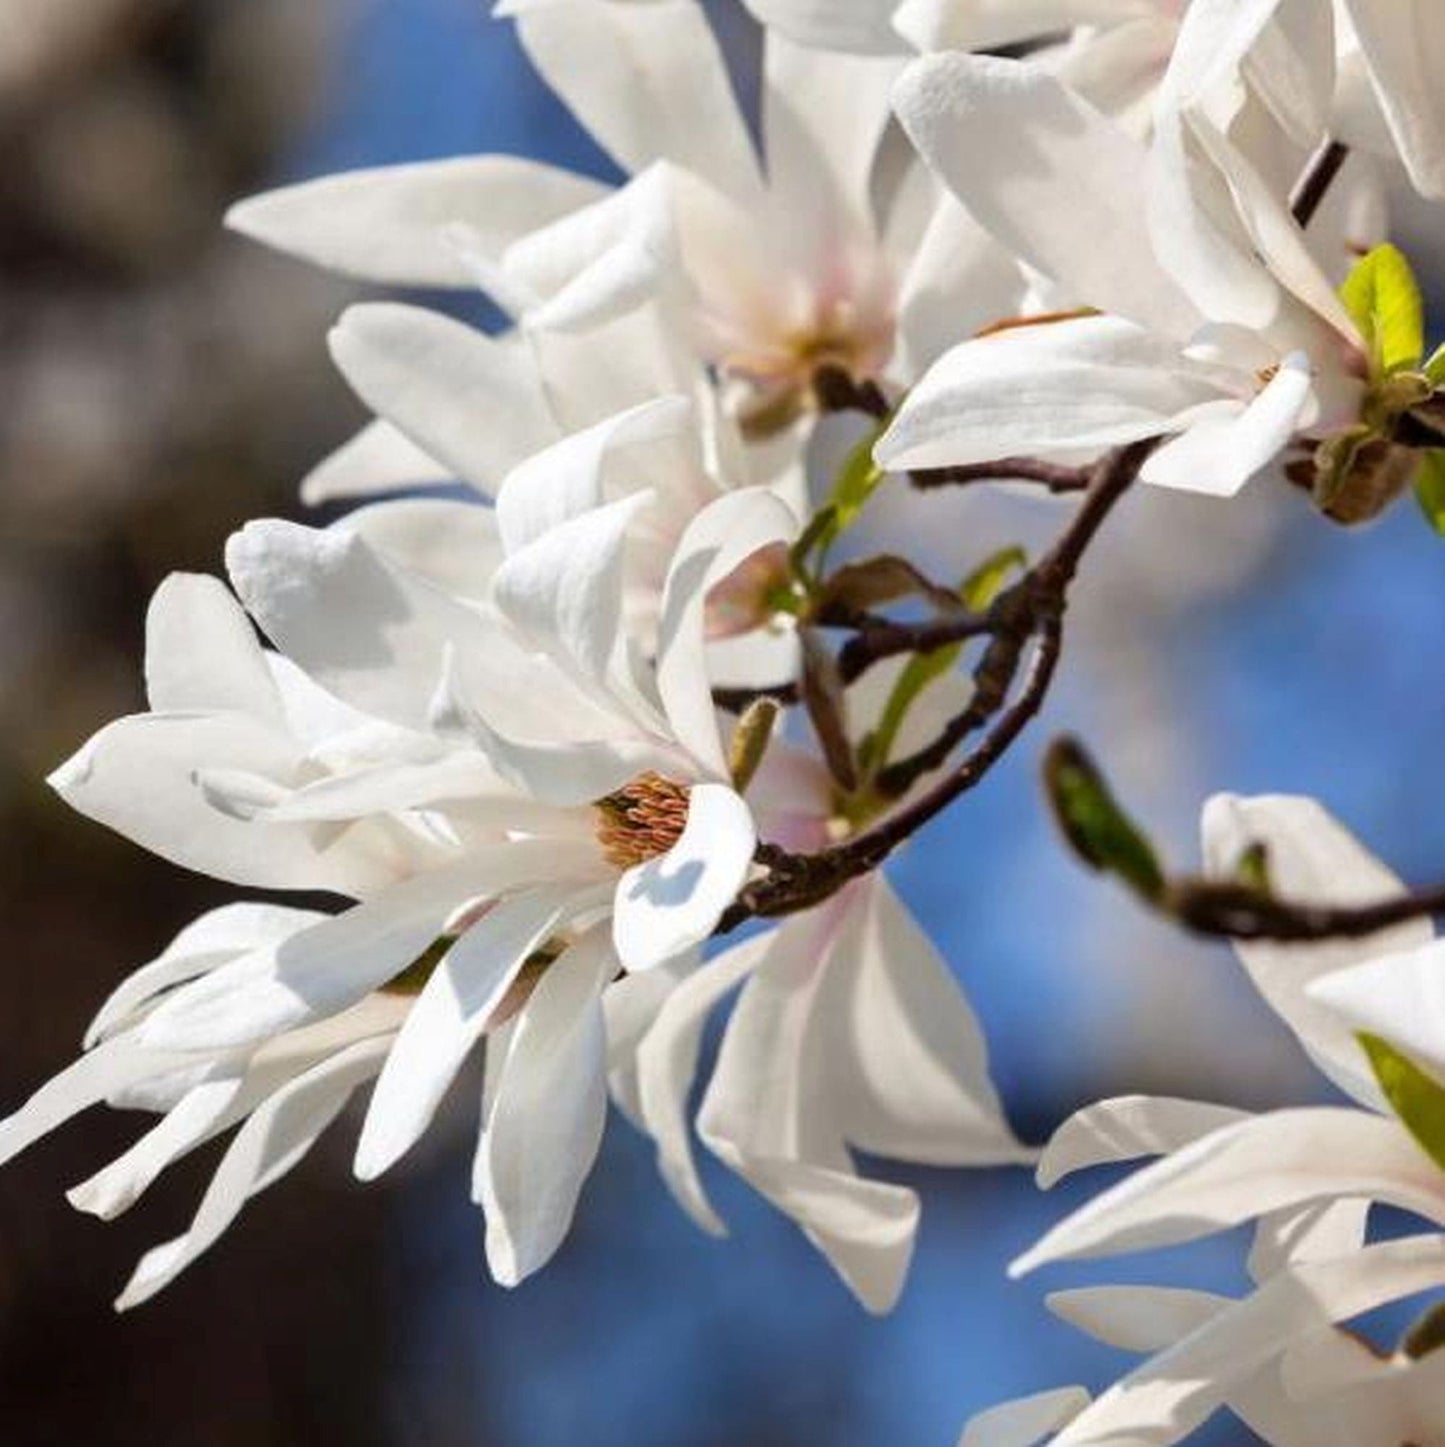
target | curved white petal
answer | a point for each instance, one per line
(912, 1067)
(455, 545)
(209, 940)
(332, 965)
(1312, 857)
(1219, 454)
(203, 654)
(631, 1005)
(1026, 1420)
(273, 1140)
(377, 459)
(1089, 383)
(1128, 1127)
(1174, 1392)
(667, 1063)
(718, 539)
(674, 901)
(546, 1121)
(473, 402)
(139, 776)
(1136, 1318)
(389, 224)
(860, 26)
(648, 81)
(1042, 170)
(448, 1018)
(1400, 997)
(1270, 1162)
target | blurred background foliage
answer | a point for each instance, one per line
(162, 382)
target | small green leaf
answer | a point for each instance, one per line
(1099, 830)
(987, 580)
(1417, 1098)
(1430, 489)
(1435, 367)
(821, 527)
(1382, 296)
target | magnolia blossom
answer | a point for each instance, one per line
(1306, 1175)
(824, 251)
(356, 761)
(1231, 394)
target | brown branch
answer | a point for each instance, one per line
(1034, 606)
(1234, 911)
(1054, 476)
(1315, 181)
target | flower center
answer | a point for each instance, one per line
(641, 820)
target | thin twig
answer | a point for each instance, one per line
(1056, 477)
(1315, 181)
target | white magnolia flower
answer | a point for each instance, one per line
(762, 270)
(570, 819)
(1230, 390)
(1306, 1175)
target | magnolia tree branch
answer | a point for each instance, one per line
(1030, 612)
(1055, 476)
(1239, 912)
(1319, 175)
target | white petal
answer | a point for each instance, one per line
(1136, 1318)
(674, 901)
(203, 654)
(823, 119)
(455, 545)
(1283, 1159)
(630, 1008)
(1126, 1128)
(1175, 1391)
(1218, 455)
(367, 631)
(988, 24)
(1039, 168)
(849, 25)
(209, 940)
(1024, 1421)
(667, 1063)
(768, 1117)
(604, 261)
(389, 224)
(377, 459)
(138, 776)
(648, 81)
(546, 1123)
(912, 1073)
(1401, 42)
(722, 535)
(1400, 997)
(1311, 857)
(449, 1016)
(473, 402)
(110, 1067)
(272, 1141)
(563, 591)
(1310, 1233)
(580, 472)
(1089, 383)
(332, 965)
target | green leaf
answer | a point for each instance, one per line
(1435, 367)
(857, 479)
(1101, 833)
(1430, 489)
(1252, 868)
(987, 580)
(1417, 1097)
(1382, 296)
(750, 740)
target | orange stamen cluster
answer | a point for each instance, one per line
(641, 820)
